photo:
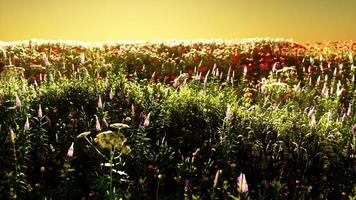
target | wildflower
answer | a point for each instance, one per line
(196, 153)
(274, 68)
(206, 80)
(51, 147)
(12, 136)
(18, 101)
(186, 186)
(297, 87)
(311, 112)
(313, 121)
(97, 124)
(70, 150)
(349, 111)
(119, 126)
(39, 113)
(146, 123)
(175, 83)
(24, 89)
(46, 61)
(153, 76)
(105, 122)
(26, 127)
(84, 134)
(133, 110)
(329, 115)
(82, 58)
(228, 112)
(354, 128)
(100, 103)
(228, 74)
(111, 94)
(343, 118)
(325, 91)
(216, 179)
(242, 185)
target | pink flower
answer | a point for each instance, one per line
(175, 83)
(111, 94)
(133, 110)
(24, 89)
(100, 103)
(311, 112)
(196, 152)
(39, 113)
(26, 127)
(105, 122)
(206, 80)
(18, 101)
(242, 185)
(228, 112)
(245, 71)
(71, 150)
(146, 123)
(97, 124)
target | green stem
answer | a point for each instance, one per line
(96, 149)
(157, 191)
(111, 195)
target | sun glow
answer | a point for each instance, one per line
(94, 20)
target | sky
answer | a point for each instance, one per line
(103, 20)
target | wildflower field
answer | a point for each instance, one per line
(248, 119)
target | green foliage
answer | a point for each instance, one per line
(175, 138)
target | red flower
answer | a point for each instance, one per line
(203, 68)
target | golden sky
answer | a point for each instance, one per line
(101, 20)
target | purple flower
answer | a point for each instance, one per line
(48, 121)
(186, 185)
(242, 185)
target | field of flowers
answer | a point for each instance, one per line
(248, 119)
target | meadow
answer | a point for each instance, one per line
(246, 119)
